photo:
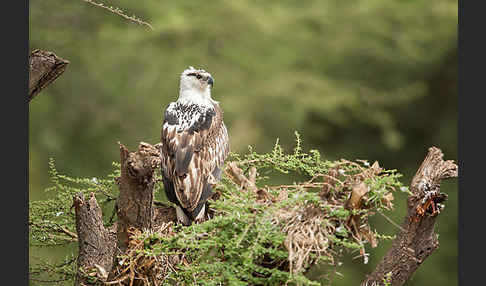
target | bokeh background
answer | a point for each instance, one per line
(371, 79)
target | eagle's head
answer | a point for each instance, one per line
(196, 80)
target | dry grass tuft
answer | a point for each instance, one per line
(138, 268)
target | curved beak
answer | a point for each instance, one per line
(210, 81)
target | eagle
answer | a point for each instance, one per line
(194, 146)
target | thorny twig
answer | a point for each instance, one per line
(118, 11)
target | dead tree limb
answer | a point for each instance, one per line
(135, 207)
(44, 68)
(96, 243)
(417, 240)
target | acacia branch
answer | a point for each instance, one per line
(119, 12)
(136, 211)
(417, 240)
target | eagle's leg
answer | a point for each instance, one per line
(181, 216)
(201, 216)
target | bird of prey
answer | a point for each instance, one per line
(194, 146)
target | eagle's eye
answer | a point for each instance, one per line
(198, 76)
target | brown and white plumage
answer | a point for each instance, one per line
(194, 146)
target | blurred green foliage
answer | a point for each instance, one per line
(373, 80)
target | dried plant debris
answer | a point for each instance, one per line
(139, 264)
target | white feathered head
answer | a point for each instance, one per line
(196, 79)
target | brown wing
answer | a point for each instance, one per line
(189, 157)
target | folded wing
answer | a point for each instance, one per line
(194, 147)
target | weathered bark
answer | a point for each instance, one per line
(417, 240)
(134, 205)
(96, 243)
(98, 247)
(44, 68)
